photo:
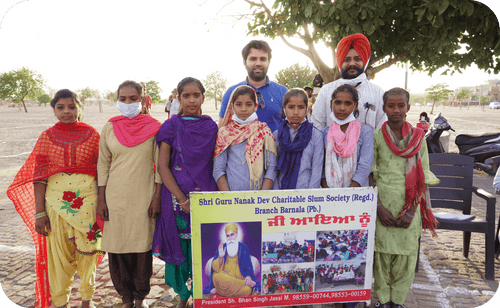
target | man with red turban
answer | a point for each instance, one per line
(353, 56)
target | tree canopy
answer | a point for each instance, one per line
(21, 84)
(215, 84)
(438, 93)
(296, 76)
(154, 90)
(85, 93)
(44, 99)
(427, 34)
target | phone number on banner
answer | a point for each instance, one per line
(286, 299)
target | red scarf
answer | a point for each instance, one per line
(131, 132)
(416, 191)
(61, 148)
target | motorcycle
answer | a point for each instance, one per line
(484, 147)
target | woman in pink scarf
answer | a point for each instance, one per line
(349, 145)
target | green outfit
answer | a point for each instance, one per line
(395, 247)
(177, 275)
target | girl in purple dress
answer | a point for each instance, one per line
(186, 144)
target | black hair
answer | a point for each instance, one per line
(351, 90)
(256, 44)
(65, 93)
(307, 88)
(291, 93)
(424, 114)
(129, 83)
(396, 92)
(189, 80)
(242, 90)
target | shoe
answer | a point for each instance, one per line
(91, 304)
(398, 306)
(379, 305)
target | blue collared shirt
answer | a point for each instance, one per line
(272, 93)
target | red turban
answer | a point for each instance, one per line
(360, 44)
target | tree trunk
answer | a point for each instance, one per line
(215, 103)
(24, 105)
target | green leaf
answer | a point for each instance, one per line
(308, 11)
(420, 13)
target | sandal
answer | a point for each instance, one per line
(379, 305)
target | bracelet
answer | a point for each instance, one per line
(185, 202)
(40, 215)
(408, 215)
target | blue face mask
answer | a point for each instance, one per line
(129, 110)
(252, 117)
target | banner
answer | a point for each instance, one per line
(282, 247)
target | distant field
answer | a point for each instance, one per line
(19, 130)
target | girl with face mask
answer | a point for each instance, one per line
(129, 194)
(349, 145)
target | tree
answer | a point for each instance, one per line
(483, 100)
(19, 85)
(427, 34)
(111, 95)
(215, 85)
(462, 95)
(44, 99)
(438, 93)
(85, 93)
(154, 90)
(296, 76)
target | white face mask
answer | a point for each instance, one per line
(350, 118)
(252, 117)
(129, 110)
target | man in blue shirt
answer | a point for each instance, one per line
(256, 58)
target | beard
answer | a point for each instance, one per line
(257, 76)
(232, 248)
(346, 75)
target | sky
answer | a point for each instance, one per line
(99, 44)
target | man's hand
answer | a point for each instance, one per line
(222, 251)
(249, 282)
(385, 216)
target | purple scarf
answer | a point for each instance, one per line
(291, 152)
(193, 141)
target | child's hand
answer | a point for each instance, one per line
(385, 216)
(404, 221)
(102, 210)
(154, 209)
(42, 225)
(186, 205)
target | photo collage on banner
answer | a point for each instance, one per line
(275, 248)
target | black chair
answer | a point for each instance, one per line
(455, 192)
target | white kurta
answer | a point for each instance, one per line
(368, 92)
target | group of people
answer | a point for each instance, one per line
(340, 247)
(288, 282)
(287, 253)
(126, 191)
(330, 273)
